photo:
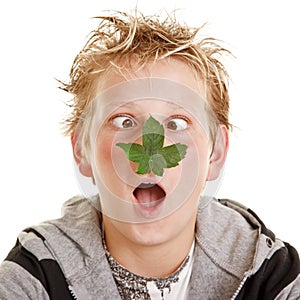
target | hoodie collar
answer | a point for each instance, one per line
(228, 234)
(225, 231)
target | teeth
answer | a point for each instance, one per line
(146, 185)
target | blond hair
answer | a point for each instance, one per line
(122, 36)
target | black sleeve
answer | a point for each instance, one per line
(47, 271)
(275, 274)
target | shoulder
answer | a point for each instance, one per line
(42, 254)
(275, 268)
(30, 274)
(18, 283)
(276, 278)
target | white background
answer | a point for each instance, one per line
(39, 40)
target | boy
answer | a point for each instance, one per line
(149, 127)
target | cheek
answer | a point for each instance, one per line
(103, 149)
(198, 153)
(198, 162)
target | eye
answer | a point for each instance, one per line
(177, 123)
(123, 122)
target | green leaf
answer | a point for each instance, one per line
(173, 154)
(151, 155)
(153, 136)
(157, 163)
(136, 153)
(143, 167)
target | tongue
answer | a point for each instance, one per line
(149, 196)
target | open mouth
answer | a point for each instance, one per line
(149, 195)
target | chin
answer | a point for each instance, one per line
(153, 233)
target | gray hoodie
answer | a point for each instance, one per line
(236, 257)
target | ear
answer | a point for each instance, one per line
(218, 156)
(81, 161)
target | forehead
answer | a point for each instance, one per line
(170, 80)
(149, 106)
(169, 68)
(147, 94)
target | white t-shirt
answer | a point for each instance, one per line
(178, 290)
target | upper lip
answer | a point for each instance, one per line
(150, 179)
(148, 184)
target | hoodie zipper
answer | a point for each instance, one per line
(239, 288)
(72, 292)
(70, 288)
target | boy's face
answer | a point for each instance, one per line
(147, 208)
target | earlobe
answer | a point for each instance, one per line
(219, 153)
(81, 161)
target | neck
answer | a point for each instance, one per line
(150, 259)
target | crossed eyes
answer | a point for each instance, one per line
(175, 123)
